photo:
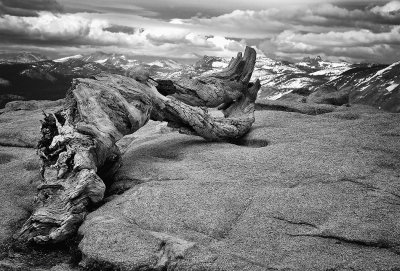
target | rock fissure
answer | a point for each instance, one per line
(237, 219)
(299, 223)
(370, 187)
(13, 145)
(358, 242)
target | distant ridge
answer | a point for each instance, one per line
(21, 57)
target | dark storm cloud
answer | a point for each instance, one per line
(10, 39)
(104, 6)
(28, 7)
(169, 9)
(122, 29)
(162, 9)
(367, 17)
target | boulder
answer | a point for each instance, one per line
(6, 98)
(299, 192)
(19, 171)
(20, 122)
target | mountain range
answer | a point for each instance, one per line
(21, 57)
(34, 76)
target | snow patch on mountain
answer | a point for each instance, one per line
(383, 71)
(64, 59)
(296, 83)
(219, 65)
(331, 71)
(101, 61)
(278, 95)
(392, 87)
(166, 64)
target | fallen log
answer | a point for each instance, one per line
(78, 148)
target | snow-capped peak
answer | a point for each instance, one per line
(166, 63)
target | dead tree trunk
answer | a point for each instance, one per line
(78, 142)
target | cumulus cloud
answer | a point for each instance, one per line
(340, 39)
(357, 45)
(77, 30)
(371, 34)
(320, 17)
(239, 24)
(359, 34)
(390, 9)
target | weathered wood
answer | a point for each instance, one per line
(239, 116)
(78, 143)
(215, 89)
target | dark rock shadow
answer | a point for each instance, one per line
(6, 158)
(250, 143)
(296, 107)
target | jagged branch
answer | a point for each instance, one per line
(239, 117)
(78, 142)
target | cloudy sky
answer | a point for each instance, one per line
(353, 30)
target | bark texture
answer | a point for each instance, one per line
(78, 148)
(239, 116)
